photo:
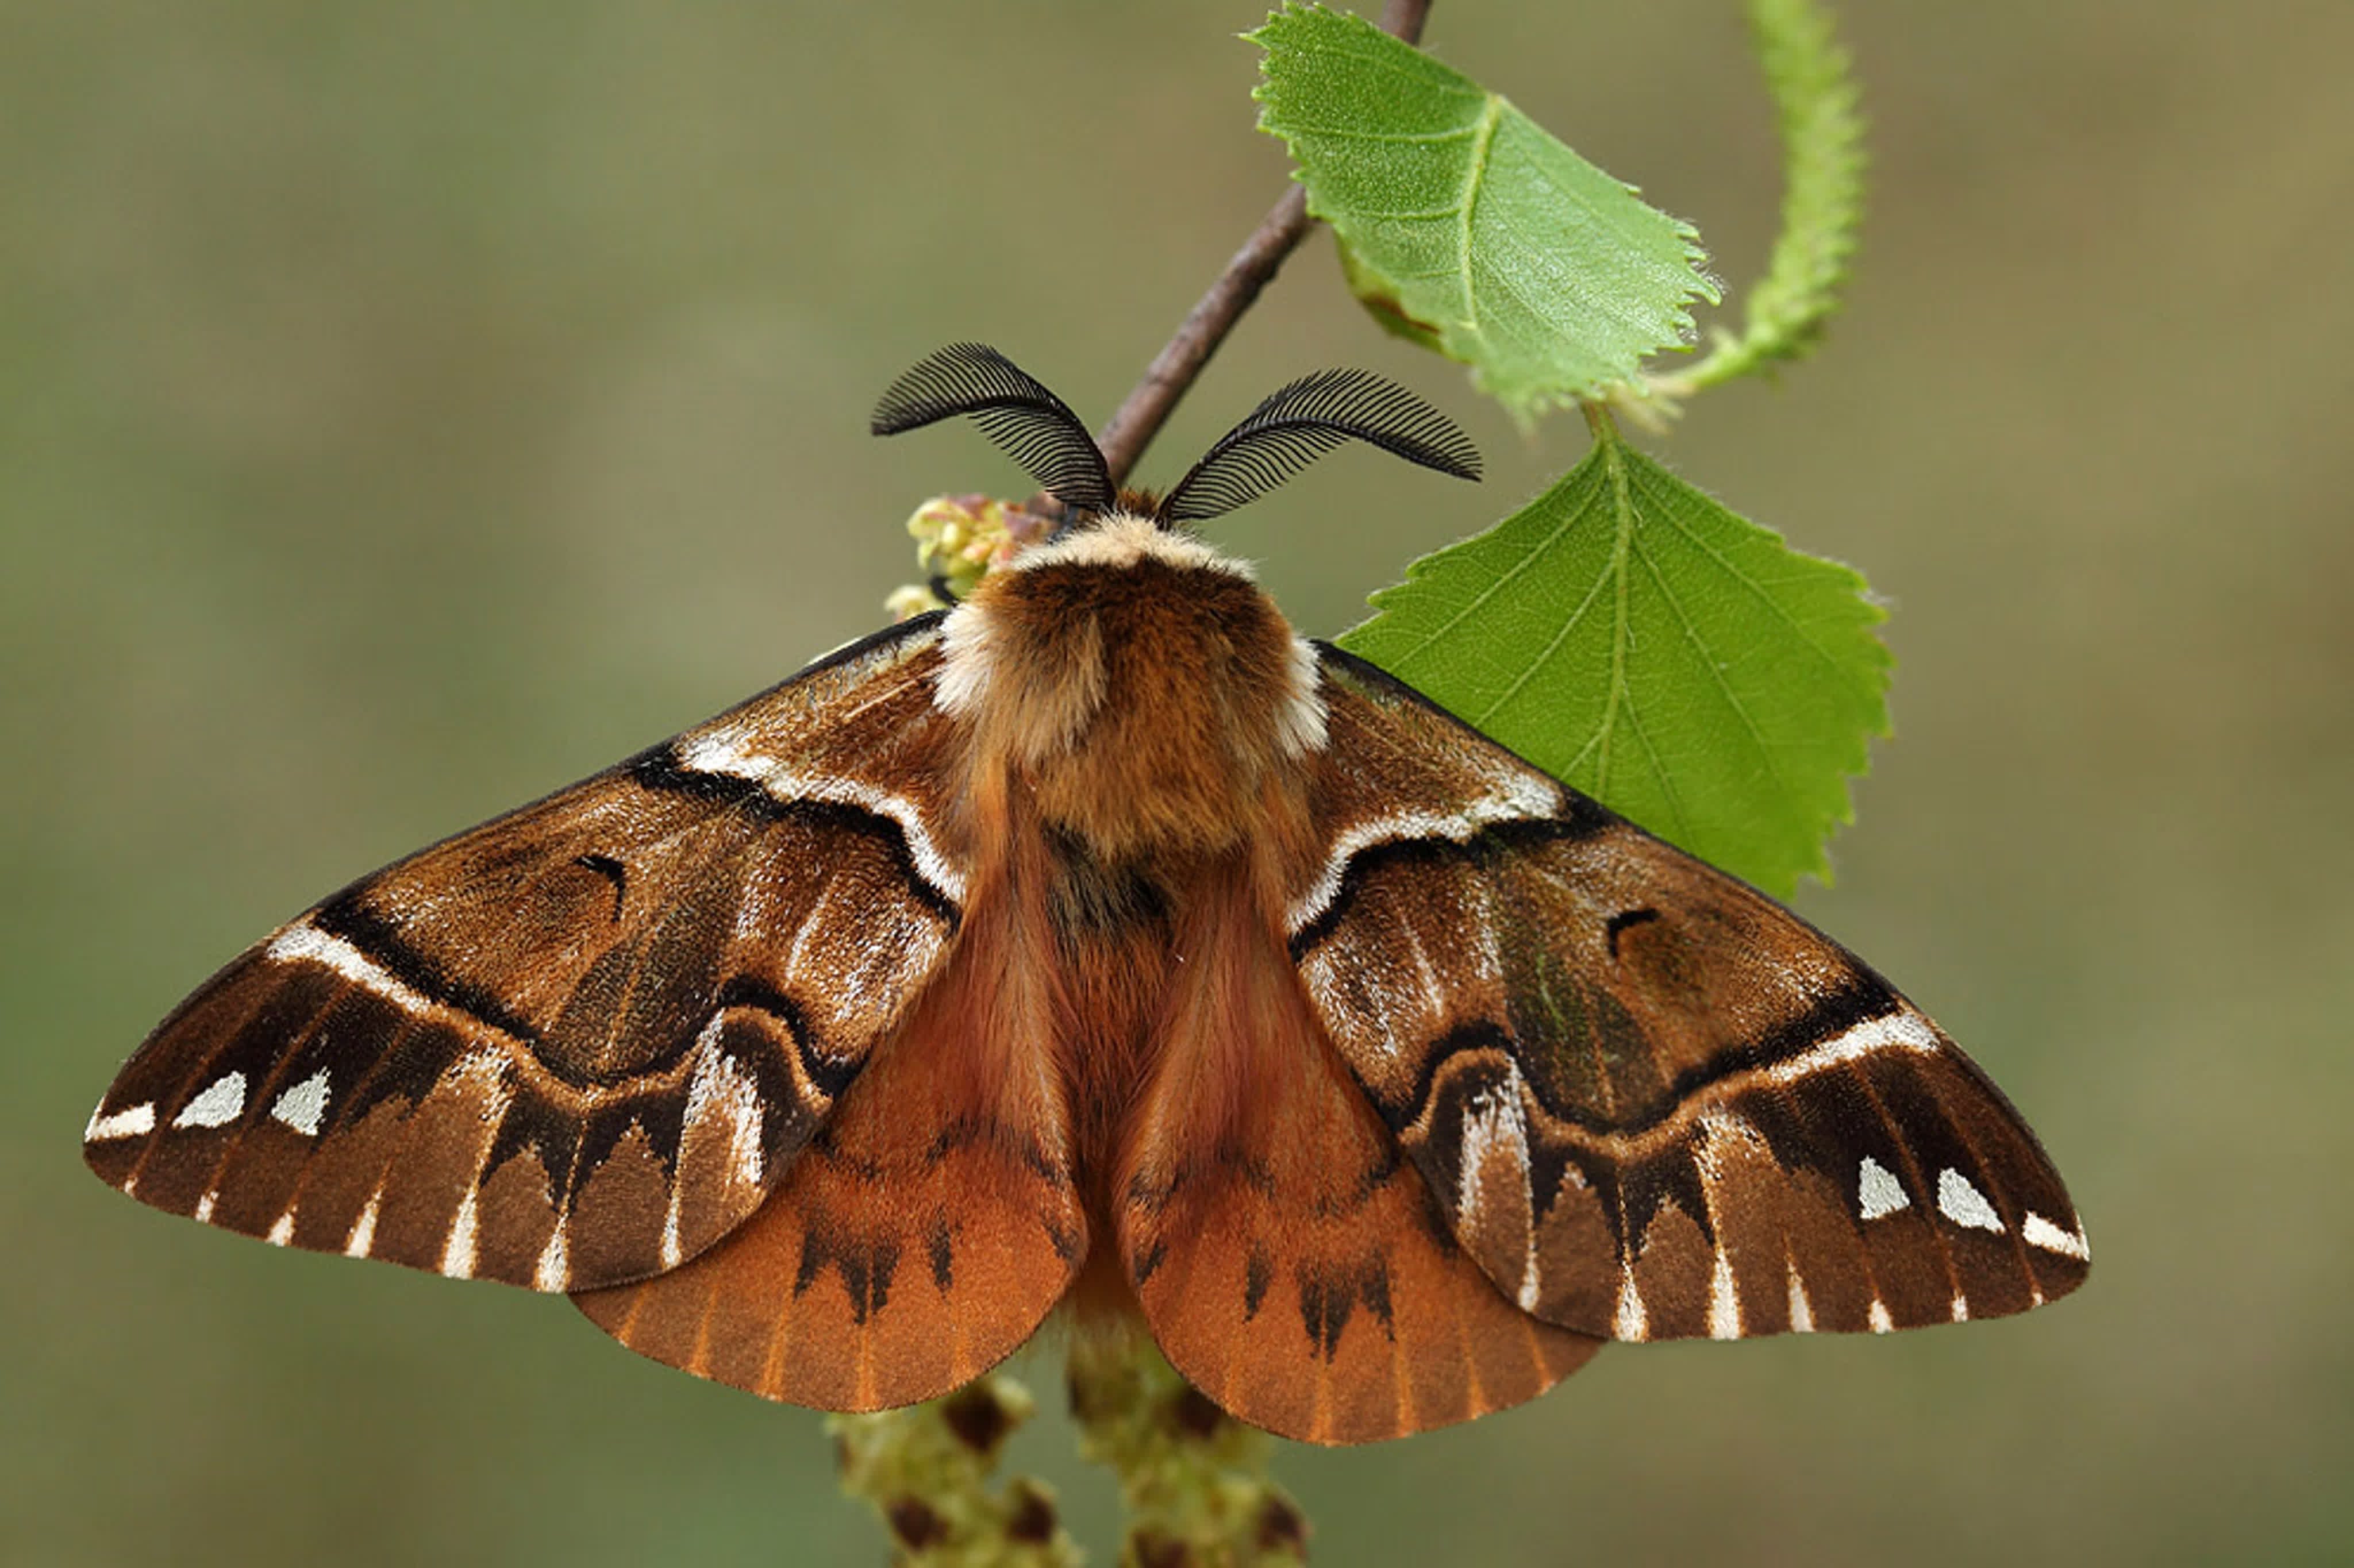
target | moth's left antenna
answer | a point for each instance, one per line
(1029, 424)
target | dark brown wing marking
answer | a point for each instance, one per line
(577, 1044)
(1653, 1102)
(1290, 1261)
(924, 1233)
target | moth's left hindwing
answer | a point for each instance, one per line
(578, 1044)
(1651, 1102)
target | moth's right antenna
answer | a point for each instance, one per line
(1301, 422)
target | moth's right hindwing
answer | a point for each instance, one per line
(578, 1044)
(1651, 1102)
(1289, 1260)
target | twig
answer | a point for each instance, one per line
(1174, 369)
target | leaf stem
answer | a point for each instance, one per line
(1178, 364)
(1816, 99)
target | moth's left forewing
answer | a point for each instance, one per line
(577, 1043)
(933, 1221)
(1653, 1103)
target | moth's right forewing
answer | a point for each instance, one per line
(578, 1044)
(1652, 1102)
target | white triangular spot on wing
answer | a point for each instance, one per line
(135, 1122)
(553, 1270)
(1964, 1204)
(205, 1206)
(1630, 1325)
(1802, 1311)
(457, 1251)
(304, 1107)
(1881, 1321)
(1723, 1301)
(217, 1106)
(1878, 1193)
(1961, 1308)
(363, 1234)
(2040, 1231)
(281, 1230)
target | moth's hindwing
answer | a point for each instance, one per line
(578, 1044)
(1652, 1102)
(1290, 1261)
(924, 1233)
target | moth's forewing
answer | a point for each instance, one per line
(578, 1044)
(1652, 1102)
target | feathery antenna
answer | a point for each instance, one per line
(1029, 424)
(1300, 423)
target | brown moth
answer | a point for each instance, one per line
(1101, 942)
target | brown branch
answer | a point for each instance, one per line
(1174, 369)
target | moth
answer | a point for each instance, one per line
(1101, 942)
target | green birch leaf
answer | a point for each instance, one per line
(1464, 225)
(1679, 663)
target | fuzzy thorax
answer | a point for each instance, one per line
(1138, 685)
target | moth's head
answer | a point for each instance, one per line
(1138, 678)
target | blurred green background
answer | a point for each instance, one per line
(404, 409)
